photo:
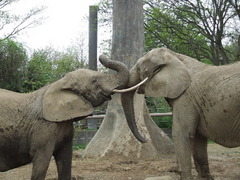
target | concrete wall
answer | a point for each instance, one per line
(84, 137)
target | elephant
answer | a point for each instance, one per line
(38, 125)
(205, 100)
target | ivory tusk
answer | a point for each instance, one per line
(131, 88)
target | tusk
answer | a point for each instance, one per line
(131, 88)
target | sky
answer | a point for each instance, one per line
(64, 22)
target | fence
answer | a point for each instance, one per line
(93, 123)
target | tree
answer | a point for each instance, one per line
(48, 65)
(209, 22)
(163, 28)
(13, 59)
(17, 23)
(114, 138)
(66, 62)
(235, 46)
(200, 29)
(38, 71)
(78, 50)
(213, 17)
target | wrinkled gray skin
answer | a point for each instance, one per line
(205, 101)
(37, 125)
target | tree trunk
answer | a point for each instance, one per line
(92, 42)
(114, 138)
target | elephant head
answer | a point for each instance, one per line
(166, 76)
(79, 91)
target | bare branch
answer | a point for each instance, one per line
(18, 22)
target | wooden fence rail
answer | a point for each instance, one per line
(151, 114)
(84, 137)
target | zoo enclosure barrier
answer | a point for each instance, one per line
(94, 122)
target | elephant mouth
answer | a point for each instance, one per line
(141, 89)
(106, 97)
(131, 88)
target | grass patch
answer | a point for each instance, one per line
(79, 146)
(210, 141)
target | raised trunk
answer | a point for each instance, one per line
(122, 75)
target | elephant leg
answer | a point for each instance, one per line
(63, 158)
(184, 129)
(182, 146)
(201, 158)
(41, 159)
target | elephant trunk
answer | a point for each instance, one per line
(122, 75)
(128, 107)
(122, 78)
(127, 99)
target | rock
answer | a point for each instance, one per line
(160, 178)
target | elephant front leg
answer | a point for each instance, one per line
(63, 158)
(183, 146)
(41, 159)
(201, 158)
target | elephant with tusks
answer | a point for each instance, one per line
(205, 101)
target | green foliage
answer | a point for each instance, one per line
(164, 27)
(210, 141)
(38, 72)
(206, 61)
(200, 29)
(159, 105)
(48, 65)
(233, 49)
(79, 146)
(13, 58)
(43, 67)
(64, 64)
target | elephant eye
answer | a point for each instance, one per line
(158, 68)
(76, 91)
(94, 80)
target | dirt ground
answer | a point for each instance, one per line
(224, 165)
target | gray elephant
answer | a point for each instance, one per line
(205, 101)
(38, 125)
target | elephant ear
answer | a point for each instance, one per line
(61, 104)
(172, 79)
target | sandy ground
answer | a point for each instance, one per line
(224, 165)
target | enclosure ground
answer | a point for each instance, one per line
(224, 165)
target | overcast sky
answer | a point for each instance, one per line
(65, 21)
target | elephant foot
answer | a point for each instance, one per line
(186, 178)
(197, 178)
(209, 177)
(77, 177)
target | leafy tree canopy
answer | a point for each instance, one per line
(197, 28)
(48, 65)
(205, 30)
(13, 58)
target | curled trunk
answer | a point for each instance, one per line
(122, 78)
(122, 75)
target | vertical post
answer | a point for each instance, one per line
(128, 31)
(93, 29)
